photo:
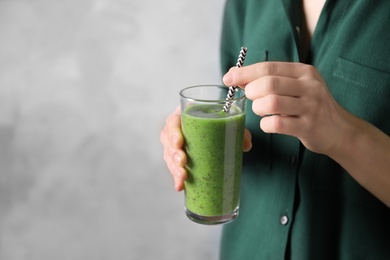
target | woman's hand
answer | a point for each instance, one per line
(173, 141)
(174, 156)
(293, 99)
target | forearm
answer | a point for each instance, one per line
(365, 155)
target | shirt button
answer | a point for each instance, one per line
(284, 220)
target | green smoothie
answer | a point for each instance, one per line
(214, 148)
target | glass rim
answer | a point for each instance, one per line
(211, 100)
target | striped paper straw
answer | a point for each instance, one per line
(232, 89)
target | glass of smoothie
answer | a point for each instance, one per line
(214, 148)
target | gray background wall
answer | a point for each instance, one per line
(85, 87)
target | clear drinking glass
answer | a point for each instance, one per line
(214, 148)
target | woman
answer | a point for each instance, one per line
(316, 177)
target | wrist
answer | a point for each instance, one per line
(351, 132)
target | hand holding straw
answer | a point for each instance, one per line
(232, 89)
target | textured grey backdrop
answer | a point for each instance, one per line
(85, 86)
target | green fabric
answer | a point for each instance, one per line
(330, 216)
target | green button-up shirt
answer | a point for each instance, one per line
(296, 204)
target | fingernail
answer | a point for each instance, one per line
(227, 79)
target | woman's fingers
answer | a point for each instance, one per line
(282, 124)
(244, 75)
(276, 85)
(247, 141)
(274, 104)
(173, 125)
(293, 99)
(172, 141)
